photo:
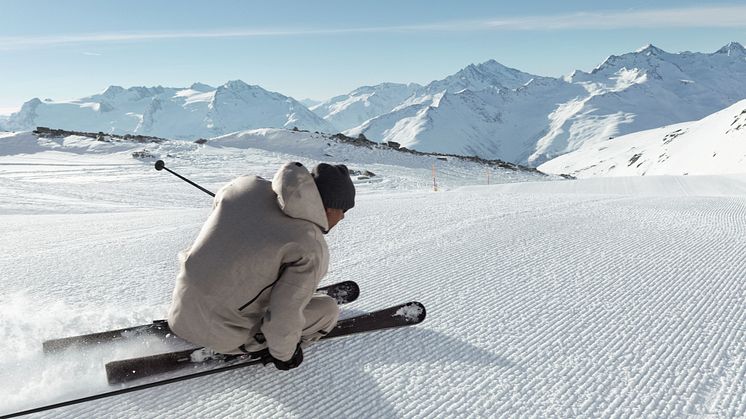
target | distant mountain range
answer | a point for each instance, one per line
(182, 113)
(715, 144)
(493, 111)
(488, 110)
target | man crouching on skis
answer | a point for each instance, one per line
(247, 283)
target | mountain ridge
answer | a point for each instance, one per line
(183, 113)
(491, 110)
(640, 90)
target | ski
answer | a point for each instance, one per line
(118, 372)
(397, 316)
(344, 292)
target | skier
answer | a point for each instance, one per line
(246, 285)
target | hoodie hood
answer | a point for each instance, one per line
(298, 195)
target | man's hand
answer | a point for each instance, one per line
(291, 363)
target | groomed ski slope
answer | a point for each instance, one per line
(619, 297)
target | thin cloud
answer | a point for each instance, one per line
(693, 17)
(7, 110)
(88, 38)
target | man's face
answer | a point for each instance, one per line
(333, 216)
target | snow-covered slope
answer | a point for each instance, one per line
(187, 113)
(713, 145)
(592, 298)
(489, 122)
(254, 151)
(644, 89)
(308, 103)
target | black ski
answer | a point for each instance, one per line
(131, 369)
(344, 292)
(401, 315)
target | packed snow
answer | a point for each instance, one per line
(601, 297)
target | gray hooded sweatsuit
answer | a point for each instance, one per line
(255, 266)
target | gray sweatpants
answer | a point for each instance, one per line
(321, 315)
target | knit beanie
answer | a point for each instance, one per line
(335, 186)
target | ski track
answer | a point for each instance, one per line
(660, 332)
(539, 304)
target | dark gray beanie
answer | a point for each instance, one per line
(335, 186)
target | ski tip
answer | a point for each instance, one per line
(353, 290)
(50, 346)
(413, 312)
(349, 284)
(344, 292)
(116, 373)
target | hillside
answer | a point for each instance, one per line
(215, 161)
(712, 145)
(601, 297)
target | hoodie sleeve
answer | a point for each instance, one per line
(284, 319)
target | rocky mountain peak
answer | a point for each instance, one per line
(650, 49)
(733, 49)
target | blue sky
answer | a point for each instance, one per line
(318, 49)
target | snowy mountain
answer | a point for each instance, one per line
(715, 144)
(487, 109)
(308, 103)
(364, 103)
(636, 91)
(489, 122)
(490, 74)
(646, 89)
(186, 113)
(367, 102)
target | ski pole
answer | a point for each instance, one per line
(134, 388)
(159, 165)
